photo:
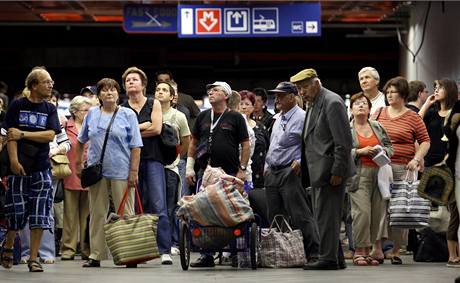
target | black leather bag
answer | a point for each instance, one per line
(432, 247)
(92, 174)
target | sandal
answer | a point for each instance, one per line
(396, 260)
(34, 266)
(372, 261)
(6, 261)
(360, 260)
(380, 259)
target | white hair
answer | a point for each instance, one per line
(371, 70)
(77, 102)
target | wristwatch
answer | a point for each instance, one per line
(22, 135)
(242, 167)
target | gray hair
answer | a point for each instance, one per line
(371, 70)
(77, 103)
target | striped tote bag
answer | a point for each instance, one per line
(132, 239)
(407, 209)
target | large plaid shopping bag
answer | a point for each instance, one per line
(281, 249)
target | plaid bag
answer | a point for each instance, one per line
(281, 249)
(407, 209)
(131, 239)
(218, 203)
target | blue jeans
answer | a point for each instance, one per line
(152, 188)
(172, 182)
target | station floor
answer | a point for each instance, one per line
(153, 271)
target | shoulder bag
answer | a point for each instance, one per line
(90, 175)
(169, 142)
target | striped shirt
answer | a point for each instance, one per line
(403, 131)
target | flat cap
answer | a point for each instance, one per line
(304, 75)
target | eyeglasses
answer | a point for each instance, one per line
(48, 82)
(363, 102)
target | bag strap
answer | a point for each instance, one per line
(121, 208)
(275, 222)
(380, 112)
(107, 134)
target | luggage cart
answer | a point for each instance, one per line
(194, 237)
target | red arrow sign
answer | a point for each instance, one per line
(208, 21)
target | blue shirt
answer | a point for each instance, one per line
(124, 135)
(286, 138)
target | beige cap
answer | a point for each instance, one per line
(304, 75)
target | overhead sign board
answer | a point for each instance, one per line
(296, 19)
(150, 19)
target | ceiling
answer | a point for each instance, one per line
(334, 13)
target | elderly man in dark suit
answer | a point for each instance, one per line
(327, 145)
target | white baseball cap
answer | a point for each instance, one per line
(224, 85)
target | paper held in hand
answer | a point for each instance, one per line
(381, 158)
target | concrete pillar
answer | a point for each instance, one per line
(439, 56)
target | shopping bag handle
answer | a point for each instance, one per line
(410, 179)
(275, 222)
(121, 208)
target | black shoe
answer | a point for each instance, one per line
(84, 257)
(321, 265)
(312, 260)
(92, 263)
(234, 261)
(204, 261)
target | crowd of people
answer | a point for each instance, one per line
(313, 161)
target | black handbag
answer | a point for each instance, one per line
(92, 174)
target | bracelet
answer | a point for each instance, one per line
(416, 159)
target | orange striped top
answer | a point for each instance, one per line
(403, 131)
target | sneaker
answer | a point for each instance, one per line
(24, 261)
(166, 259)
(204, 261)
(175, 251)
(453, 264)
(47, 260)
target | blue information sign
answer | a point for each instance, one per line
(296, 19)
(150, 19)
